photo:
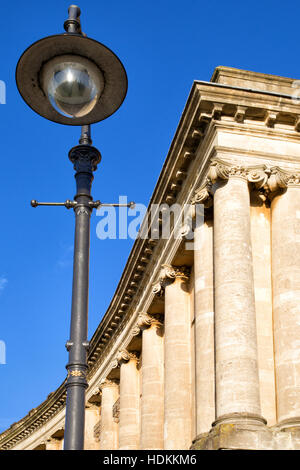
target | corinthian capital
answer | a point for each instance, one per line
(108, 383)
(135, 330)
(203, 195)
(125, 356)
(167, 275)
(148, 319)
(257, 175)
(280, 179)
(145, 320)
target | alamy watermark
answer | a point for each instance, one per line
(160, 221)
(2, 92)
(2, 352)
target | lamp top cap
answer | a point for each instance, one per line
(74, 9)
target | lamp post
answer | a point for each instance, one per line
(74, 80)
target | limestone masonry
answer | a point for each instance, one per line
(200, 346)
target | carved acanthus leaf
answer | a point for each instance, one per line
(203, 195)
(294, 180)
(218, 169)
(168, 274)
(258, 176)
(135, 330)
(255, 174)
(114, 364)
(280, 179)
(185, 230)
(125, 356)
(145, 320)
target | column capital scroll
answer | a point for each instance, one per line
(125, 356)
(282, 179)
(108, 383)
(203, 195)
(222, 170)
(167, 275)
(115, 363)
(147, 319)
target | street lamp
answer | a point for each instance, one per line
(74, 80)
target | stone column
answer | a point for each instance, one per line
(152, 406)
(261, 248)
(129, 425)
(237, 381)
(177, 379)
(92, 417)
(204, 313)
(285, 210)
(109, 439)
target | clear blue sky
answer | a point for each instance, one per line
(164, 46)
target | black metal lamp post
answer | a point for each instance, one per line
(74, 80)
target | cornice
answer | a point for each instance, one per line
(251, 100)
(35, 419)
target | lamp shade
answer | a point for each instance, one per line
(71, 79)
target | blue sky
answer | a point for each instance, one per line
(164, 46)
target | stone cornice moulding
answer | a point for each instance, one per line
(36, 419)
(30, 441)
(270, 105)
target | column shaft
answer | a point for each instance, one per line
(237, 383)
(204, 326)
(109, 439)
(177, 406)
(286, 301)
(129, 426)
(152, 407)
(92, 417)
(261, 247)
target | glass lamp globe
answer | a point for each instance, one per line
(73, 84)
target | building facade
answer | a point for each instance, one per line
(200, 346)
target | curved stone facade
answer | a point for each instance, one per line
(199, 347)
